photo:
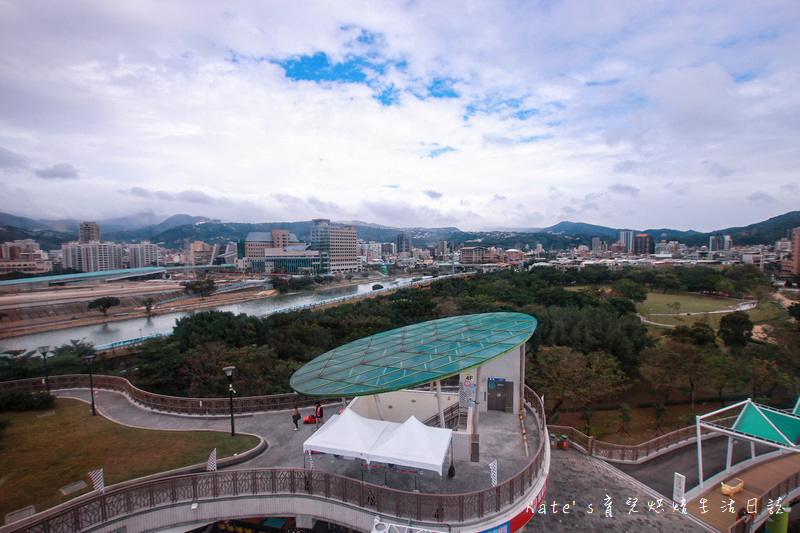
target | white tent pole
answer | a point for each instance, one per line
(378, 405)
(699, 454)
(344, 402)
(439, 402)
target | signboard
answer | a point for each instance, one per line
(678, 487)
(468, 377)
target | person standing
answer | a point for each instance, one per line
(318, 414)
(296, 418)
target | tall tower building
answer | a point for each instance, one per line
(643, 244)
(403, 243)
(88, 232)
(626, 238)
(796, 251)
(338, 246)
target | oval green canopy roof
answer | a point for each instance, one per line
(414, 355)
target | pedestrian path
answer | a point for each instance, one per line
(591, 486)
(580, 481)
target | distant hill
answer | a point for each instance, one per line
(47, 238)
(179, 230)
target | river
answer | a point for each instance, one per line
(135, 328)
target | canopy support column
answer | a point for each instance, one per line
(730, 453)
(699, 454)
(344, 402)
(477, 400)
(522, 378)
(378, 405)
(752, 449)
(439, 402)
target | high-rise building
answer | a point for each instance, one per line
(626, 238)
(88, 232)
(595, 244)
(258, 243)
(92, 256)
(643, 244)
(403, 243)
(795, 262)
(142, 255)
(719, 242)
(337, 245)
(200, 253)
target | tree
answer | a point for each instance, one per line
(564, 375)
(794, 311)
(667, 281)
(204, 287)
(377, 287)
(148, 304)
(631, 290)
(658, 370)
(736, 328)
(723, 371)
(365, 273)
(675, 306)
(104, 304)
(625, 418)
(279, 284)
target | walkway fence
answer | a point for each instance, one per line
(620, 453)
(778, 491)
(166, 404)
(94, 509)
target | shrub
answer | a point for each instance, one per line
(25, 401)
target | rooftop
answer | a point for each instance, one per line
(413, 355)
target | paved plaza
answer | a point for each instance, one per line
(576, 479)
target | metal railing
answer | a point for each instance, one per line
(632, 453)
(779, 490)
(94, 509)
(160, 402)
(450, 418)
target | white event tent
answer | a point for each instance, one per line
(410, 444)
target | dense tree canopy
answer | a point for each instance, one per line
(104, 304)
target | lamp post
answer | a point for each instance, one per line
(43, 350)
(89, 359)
(229, 372)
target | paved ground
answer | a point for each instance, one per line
(501, 440)
(575, 478)
(582, 481)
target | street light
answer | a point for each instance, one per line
(229, 372)
(43, 350)
(89, 359)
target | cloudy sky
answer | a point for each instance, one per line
(479, 115)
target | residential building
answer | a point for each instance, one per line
(643, 244)
(92, 256)
(200, 253)
(337, 246)
(142, 255)
(403, 243)
(794, 262)
(257, 242)
(626, 238)
(719, 243)
(473, 255)
(88, 232)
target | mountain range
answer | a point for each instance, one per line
(179, 230)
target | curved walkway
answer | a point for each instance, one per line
(574, 476)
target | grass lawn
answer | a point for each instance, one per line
(40, 455)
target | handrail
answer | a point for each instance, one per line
(93, 509)
(779, 490)
(630, 453)
(160, 402)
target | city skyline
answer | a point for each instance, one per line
(478, 116)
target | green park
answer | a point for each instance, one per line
(623, 355)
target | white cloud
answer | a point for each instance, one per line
(167, 107)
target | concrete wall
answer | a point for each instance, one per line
(398, 406)
(504, 367)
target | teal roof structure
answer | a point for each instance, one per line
(768, 424)
(413, 355)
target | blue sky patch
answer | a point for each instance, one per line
(436, 152)
(319, 68)
(606, 83)
(442, 88)
(536, 138)
(388, 95)
(525, 114)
